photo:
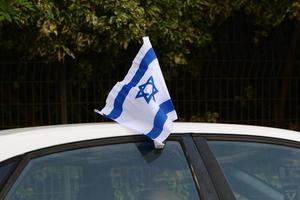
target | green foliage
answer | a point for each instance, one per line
(271, 13)
(210, 117)
(14, 10)
(57, 29)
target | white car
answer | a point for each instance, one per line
(107, 161)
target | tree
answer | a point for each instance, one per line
(72, 33)
(56, 29)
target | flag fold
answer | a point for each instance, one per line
(141, 101)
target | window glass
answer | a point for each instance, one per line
(258, 171)
(4, 171)
(133, 171)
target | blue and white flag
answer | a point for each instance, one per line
(141, 101)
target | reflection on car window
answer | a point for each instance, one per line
(132, 171)
(258, 171)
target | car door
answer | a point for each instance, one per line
(257, 168)
(128, 168)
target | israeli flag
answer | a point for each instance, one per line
(141, 101)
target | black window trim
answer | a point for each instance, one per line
(218, 178)
(199, 169)
(250, 138)
(14, 160)
(25, 158)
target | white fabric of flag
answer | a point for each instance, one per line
(141, 101)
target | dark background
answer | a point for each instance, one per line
(236, 78)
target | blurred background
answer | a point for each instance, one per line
(231, 61)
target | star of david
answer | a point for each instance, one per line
(147, 90)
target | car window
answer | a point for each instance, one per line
(259, 171)
(131, 171)
(5, 169)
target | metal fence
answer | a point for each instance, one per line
(230, 81)
(41, 97)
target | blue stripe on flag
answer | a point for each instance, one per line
(160, 118)
(167, 106)
(119, 100)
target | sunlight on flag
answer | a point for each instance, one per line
(141, 101)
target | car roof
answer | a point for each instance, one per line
(15, 142)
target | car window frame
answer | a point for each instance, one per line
(208, 189)
(27, 157)
(15, 161)
(251, 138)
(240, 138)
(218, 178)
